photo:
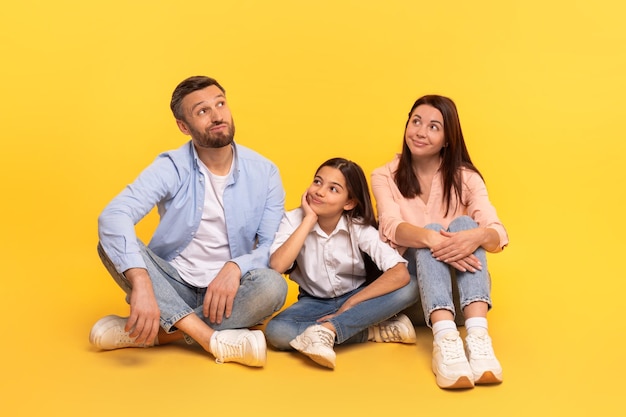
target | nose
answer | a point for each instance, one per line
(216, 116)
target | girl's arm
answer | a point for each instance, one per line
(283, 257)
(392, 279)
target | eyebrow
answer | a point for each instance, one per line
(432, 121)
(216, 98)
(333, 183)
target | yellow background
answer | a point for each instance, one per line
(85, 88)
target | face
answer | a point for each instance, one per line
(207, 118)
(424, 134)
(328, 195)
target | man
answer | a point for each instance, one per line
(204, 275)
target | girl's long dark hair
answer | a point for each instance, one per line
(356, 183)
(454, 155)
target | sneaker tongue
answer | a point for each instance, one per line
(451, 348)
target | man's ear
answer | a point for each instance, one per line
(350, 205)
(183, 127)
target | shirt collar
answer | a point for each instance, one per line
(341, 226)
(235, 169)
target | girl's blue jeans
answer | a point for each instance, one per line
(261, 293)
(435, 278)
(351, 325)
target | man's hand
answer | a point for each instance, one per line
(220, 294)
(143, 321)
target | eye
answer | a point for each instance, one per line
(334, 189)
(416, 122)
(434, 128)
(316, 181)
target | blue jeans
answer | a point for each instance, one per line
(261, 293)
(351, 325)
(435, 277)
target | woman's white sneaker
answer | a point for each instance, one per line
(449, 363)
(485, 366)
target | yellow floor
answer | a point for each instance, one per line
(49, 369)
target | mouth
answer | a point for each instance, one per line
(419, 143)
(218, 127)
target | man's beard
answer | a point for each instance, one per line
(208, 139)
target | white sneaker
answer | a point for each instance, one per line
(482, 359)
(317, 342)
(450, 364)
(108, 333)
(397, 329)
(239, 345)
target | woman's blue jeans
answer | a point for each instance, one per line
(261, 293)
(435, 278)
(351, 325)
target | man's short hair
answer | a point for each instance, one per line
(187, 86)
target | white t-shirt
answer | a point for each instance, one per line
(331, 265)
(208, 251)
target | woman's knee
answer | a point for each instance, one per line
(462, 223)
(434, 226)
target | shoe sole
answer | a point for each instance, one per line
(320, 360)
(464, 381)
(461, 383)
(488, 378)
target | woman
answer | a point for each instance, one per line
(433, 206)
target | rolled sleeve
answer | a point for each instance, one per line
(384, 256)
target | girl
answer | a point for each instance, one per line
(321, 244)
(432, 200)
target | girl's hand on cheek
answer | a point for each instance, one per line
(306, 207)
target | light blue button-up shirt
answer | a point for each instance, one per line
(254, 201)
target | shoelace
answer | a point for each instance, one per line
(390, 332)
(451, 349)
(228, 350)
(123, 338)
(326, 338)
(479, 346)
